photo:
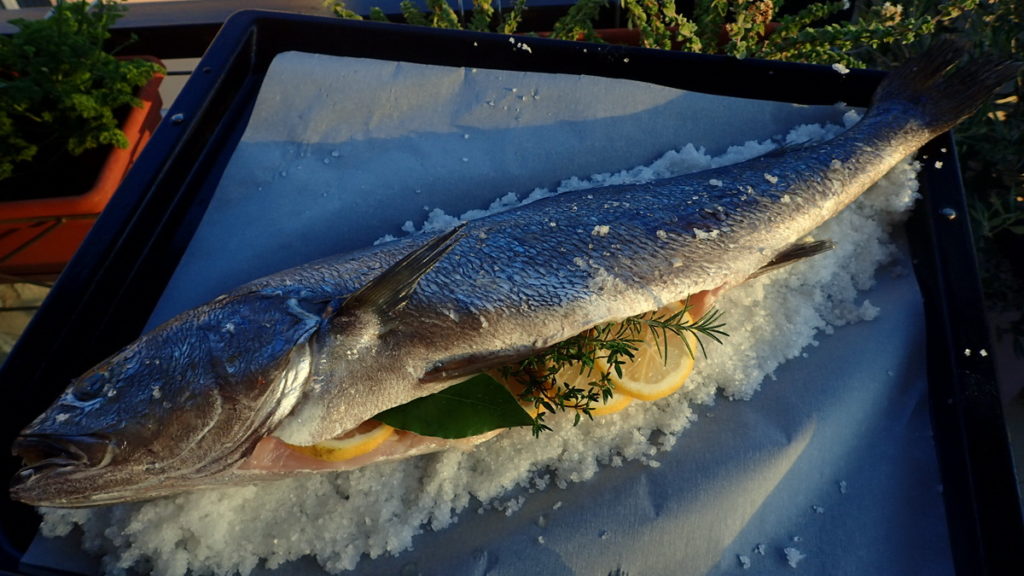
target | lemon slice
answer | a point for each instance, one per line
(573, 376)
(649, 375)
(362, 439)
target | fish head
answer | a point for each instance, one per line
(174, 410)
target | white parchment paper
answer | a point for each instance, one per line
(832, 459)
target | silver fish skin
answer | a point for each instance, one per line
(311, 352)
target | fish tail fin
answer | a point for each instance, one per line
(942, 88)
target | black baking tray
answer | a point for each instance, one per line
(104, 297)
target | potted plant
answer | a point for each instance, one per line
(73, 117)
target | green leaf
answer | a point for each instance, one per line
(471, 407)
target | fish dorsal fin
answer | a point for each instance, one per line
(795, 253)
(391, 289)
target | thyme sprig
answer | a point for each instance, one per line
(616, 343)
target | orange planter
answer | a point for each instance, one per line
(39, 236)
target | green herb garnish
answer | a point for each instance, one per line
(616, 343)
(482, 403)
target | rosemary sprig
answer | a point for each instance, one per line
(616, 343)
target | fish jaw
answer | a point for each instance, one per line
(64, 470)
(57, 456)
(178, 409)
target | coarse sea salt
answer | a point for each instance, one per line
(840, 68)
(337, 519)
(793, 556)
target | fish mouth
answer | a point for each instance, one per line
(44, 454)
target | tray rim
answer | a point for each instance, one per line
(135, 245)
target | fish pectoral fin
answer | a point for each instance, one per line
(465, 366)
(794, 253)
(391, 289)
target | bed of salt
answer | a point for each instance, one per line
(833, 348)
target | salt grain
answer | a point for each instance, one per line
(840, 68)
(702, 235)
(793, 556)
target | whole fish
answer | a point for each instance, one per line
(310, 353)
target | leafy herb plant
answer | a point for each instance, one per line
(60, 90)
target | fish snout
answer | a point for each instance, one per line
(42, 453)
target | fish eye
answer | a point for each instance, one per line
(90, 387)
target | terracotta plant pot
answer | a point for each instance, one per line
(39, 236)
